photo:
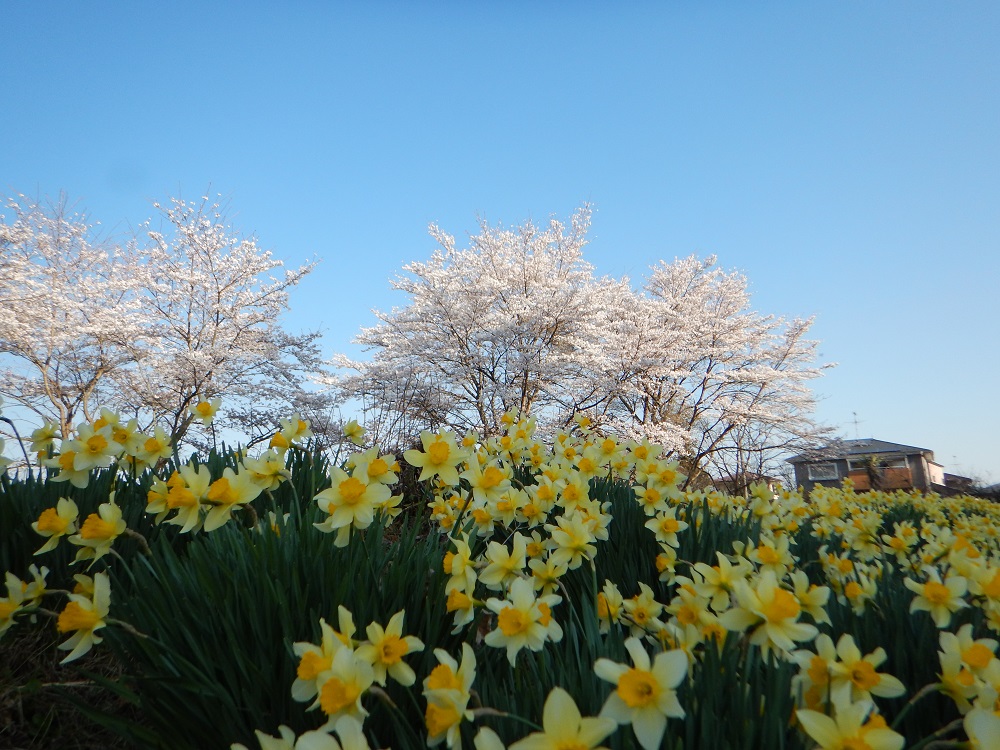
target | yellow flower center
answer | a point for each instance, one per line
(439, 452)
(818, 672)
(505, 505)
(652, 496)
(668, 476)
(992, 589)
(312, 664)
(545, 616)
(530, 510)
(120, 434)
(513, 621)
(608, 445)
(180, 496)
(66, 460)
(853, 590)
(96, 444)
(936, 593)
(96, 527)
(782, 607)
(351, 490)
(278, 441)
(768, 555)
(977, 656)
(6, 610)
(491, 477)
(965, 678)
(52, 522)
(75, 617)
(863, 675)
(337, 695)
(442, 678)
(638, 688)
(152, 445)
(640, 615)
(204, 408)
(377, 468)
(392, 650)
(439, 719)
(669, 525)
(687, 615)
(221, 492)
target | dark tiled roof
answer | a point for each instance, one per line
(859, 447)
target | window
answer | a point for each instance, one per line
(819, 472)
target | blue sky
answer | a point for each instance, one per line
(844, 156)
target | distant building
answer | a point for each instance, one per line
(890, 466)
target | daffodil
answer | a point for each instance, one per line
(83, 616)
(99, 531)
(344, 684)
(522, 620)
(940, 599)
(55, 523)
(64, 462)
(645, 694)
(854, 678)
(205, 410)
(770, 614)
(504, 565)
(848, 729)
(350, 502)
(387, 647)
(229, 491)
(563, 728)
(447, 691)
(440, 457)
(354, 432)
(92, 448)
(315, 660)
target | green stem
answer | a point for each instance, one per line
(919, 696)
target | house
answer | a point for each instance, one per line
(867, 461)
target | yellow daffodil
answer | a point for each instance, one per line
(226, 493)
(440, 457)
(563, 727)
(770, 614)
(447, 691)
(572, 540)
(940, 599)
(386, 648)
(99, 531)
(205, 410)
(848, 729)
(344, 684)
(522, 620)
(55, 523)
(644, 695)
(350, 502)
(83, 616)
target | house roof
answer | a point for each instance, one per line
(858, 447)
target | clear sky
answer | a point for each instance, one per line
(844, 156)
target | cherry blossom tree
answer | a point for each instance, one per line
(184, 312)
(512, 321)
(211, 326)
(67, 311)
(716, 382)
(518, 319)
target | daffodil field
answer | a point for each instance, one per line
(496, 593)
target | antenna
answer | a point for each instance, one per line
(856, 435)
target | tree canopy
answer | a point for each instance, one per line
(518, 320)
